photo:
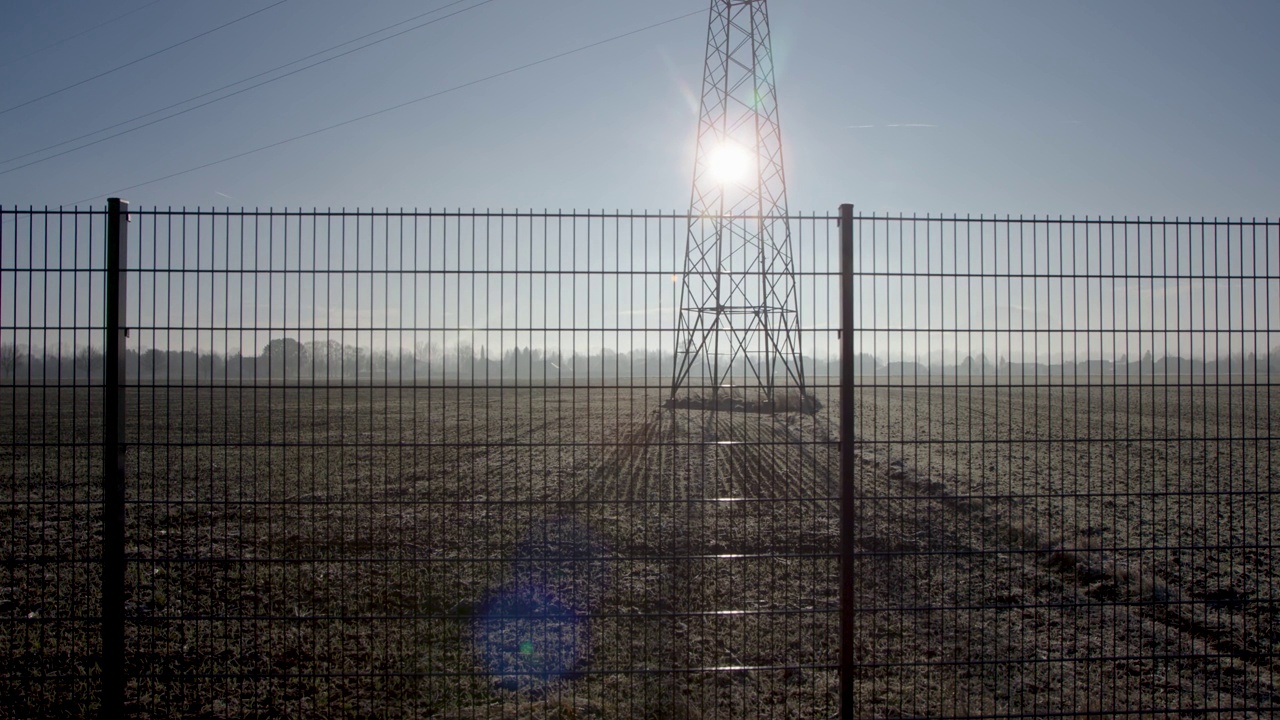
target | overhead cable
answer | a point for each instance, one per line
(237, 92)
(69, 38)
(397, 106)
(148, 56)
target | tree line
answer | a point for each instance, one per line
(288, 358)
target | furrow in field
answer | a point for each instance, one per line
(1091, 576)
(738, 465)
(791, 465)
(1076, 529)
(617, 474)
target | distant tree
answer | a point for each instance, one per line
(168, 363)
(425, 352)
(325, 357)
(147, 362)
(974, 366)
(235, 365)
(378, 361)
(355, 360)
(11, 358)
(284, 356)
(211, 365)
(132, 362)
(862, 363)
(89, 361)
(402, 365)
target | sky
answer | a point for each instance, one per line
(981, 107)
(1084, 109)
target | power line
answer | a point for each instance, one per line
(237, 92)
(398, 106)
(69, 38)
(138, 60)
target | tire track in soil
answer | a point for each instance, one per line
(1075, 562)
(891, 576)
(485, 529)
(1069, 556)
(911, 500)
(1075, 559)
(766, 464)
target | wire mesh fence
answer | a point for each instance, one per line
(1066, 432)
(52, 281)
(428, 464)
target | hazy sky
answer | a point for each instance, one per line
(980, 107)
(1137, 108)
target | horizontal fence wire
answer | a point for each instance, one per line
(424, 464)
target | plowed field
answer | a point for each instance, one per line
(583, 552)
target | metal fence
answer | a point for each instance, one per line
(379, 463)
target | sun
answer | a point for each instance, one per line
(729, 163)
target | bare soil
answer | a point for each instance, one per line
(586, 552)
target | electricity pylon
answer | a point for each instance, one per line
(737, 312)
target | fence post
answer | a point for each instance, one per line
(847, 507)
(113, 518)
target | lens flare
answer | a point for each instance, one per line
(535, 628)
(527, 637)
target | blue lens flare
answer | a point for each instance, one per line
(534, 629)
(526, 637)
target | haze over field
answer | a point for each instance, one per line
(286, 358)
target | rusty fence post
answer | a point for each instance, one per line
(848, 514)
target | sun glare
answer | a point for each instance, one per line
(729, 162)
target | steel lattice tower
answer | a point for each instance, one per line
(737, 314)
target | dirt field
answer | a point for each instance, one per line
(374, 552)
